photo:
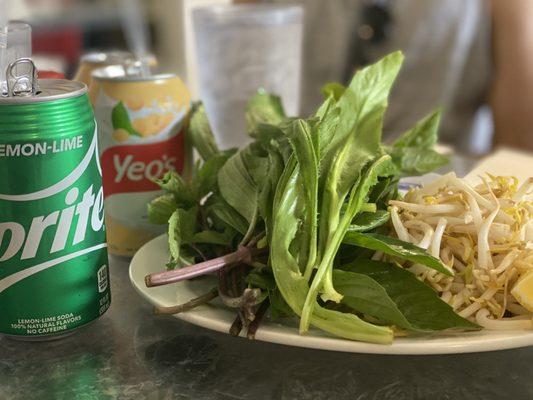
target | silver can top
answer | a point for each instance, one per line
(126, 73)
(108, 57)
(49, 90)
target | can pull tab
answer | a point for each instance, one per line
(22, 78)
(132, 68)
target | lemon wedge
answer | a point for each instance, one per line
(523, 291)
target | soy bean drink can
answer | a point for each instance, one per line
(96, 60)
(92, 61)
(142, 136)
(53, 258)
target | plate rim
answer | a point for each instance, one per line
(276, 333)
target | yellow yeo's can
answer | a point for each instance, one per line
(141, 124)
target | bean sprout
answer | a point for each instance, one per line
(427, 209)
(400, 229)
(483, 319)
(483, 233)
(437, 237)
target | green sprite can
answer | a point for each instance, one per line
(54, 274)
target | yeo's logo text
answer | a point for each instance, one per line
(133, 168)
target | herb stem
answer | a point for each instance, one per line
(251, 228)
(254, 325)
(256, 239)
(369, 207)
(249, 298)
(256, 264)
(235, 292)
(222, 283)
(205, 298)
(195, 248)
(243, 254)
(236, 326)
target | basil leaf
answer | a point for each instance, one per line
(201, 135)
(423, 135)
(364, 295)
(237, 186)
(271, 138)
(414, 161)
(333, 89)
(161, 208)
(304, 141)
(367, 221)
(386, 189)
(213, 237)
(419, 304)
(357, 137)
(396, 248)
(206, 179)
(357, 140)
(223, 211)
(278, 306)
(239, 180)
(268, 190)
(323, 279)
(264, 280)
(172, 182)
(261, 279)
(263, 108)
(412, 152)
(289, 279)
(181, 228)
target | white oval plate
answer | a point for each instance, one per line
(153, 256)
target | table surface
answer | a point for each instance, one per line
(131, 354)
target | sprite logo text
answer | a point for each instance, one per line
(77, 215)
(88, 208)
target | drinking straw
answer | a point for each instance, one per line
(136, 32)
(3, 45)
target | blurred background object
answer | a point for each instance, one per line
(448, 60)
(18, 47)
(136, 32)
(471, 57)
(92, 61)
(240, 49)
(3, 48)
(512, 89)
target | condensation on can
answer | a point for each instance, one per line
(142, 136)
(54, 275)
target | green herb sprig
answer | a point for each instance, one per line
(290, 222)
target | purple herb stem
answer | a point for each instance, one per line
(254, 325)
(203, 268)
